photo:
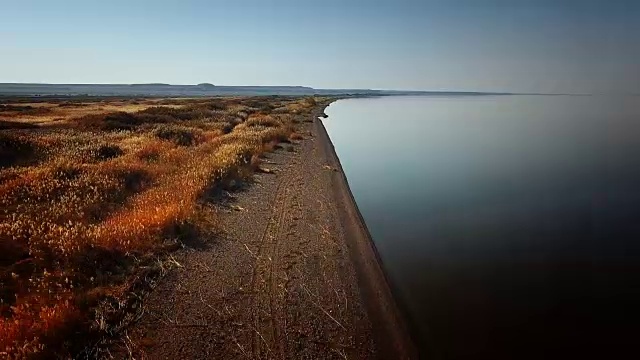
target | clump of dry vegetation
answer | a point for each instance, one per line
(14, 149)
(87, 189)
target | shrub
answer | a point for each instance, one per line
(180, 136)
(24, 110)
(296, 136)
(71, 104)
(106, 152)
(152, 150)
(11, 252)
(185, 113)
(108, 121)
(154, 118)
(262, 120)
(15, 150)
(7, 125)
(227, 128)
(133, 179)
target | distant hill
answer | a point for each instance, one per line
(203, 89)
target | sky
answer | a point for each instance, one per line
(570, 46)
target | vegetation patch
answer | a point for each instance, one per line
(119, 120)
(15, 149)
(8, 125)
(24, 109)
(106, 152)
(179, 135)
(296, 136)
(71, 104)
(84, 202)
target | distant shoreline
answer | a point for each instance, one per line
(200, 90)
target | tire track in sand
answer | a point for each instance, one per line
(266, 341)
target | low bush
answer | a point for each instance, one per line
(145, 118)
(179, 135)
(8, 125)
(106, 152)
(15, 150)
(296, 136)
(109, 121)
(262, 120)
(24, 109)
(71, 104)
(184, 113)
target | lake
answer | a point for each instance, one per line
(508, 225)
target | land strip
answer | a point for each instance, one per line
(294, 275)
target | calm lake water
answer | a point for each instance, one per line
(509, 225)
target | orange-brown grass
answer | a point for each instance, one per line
(296, 136)
(112, 182)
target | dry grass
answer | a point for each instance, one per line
(94, 185)
(296, 136)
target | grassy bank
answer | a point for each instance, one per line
(91, 191)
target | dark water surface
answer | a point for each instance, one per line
(509, 225)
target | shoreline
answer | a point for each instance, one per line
(292, 274)
(383, 306)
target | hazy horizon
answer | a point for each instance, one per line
(498, 46)
(409, 92)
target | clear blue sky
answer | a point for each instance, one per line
(514, 45)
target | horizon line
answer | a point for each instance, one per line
(267, 86)
(332, 88)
